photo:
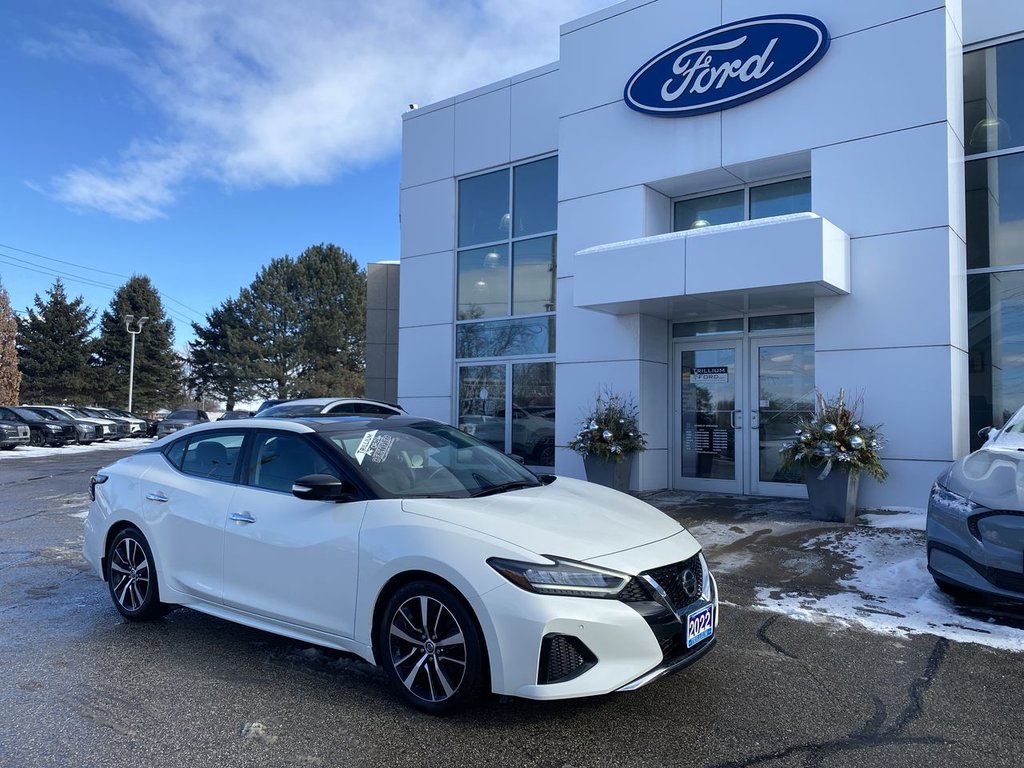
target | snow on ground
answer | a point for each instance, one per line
(909, 519)
(890, 592)
(27, 451)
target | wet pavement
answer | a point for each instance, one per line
(80, 687)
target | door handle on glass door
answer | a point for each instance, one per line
(732, 419)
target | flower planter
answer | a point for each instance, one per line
(833, 499)
(608, 472)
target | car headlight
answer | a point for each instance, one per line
(561, 577)
(53, 428)
(705, 586)
(953, 504)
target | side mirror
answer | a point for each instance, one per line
(323, 488)
(984, 432)
(516, 458)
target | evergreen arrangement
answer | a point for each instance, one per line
(835, 436)
(611, 429)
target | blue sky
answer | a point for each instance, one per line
(194, 141)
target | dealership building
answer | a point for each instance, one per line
(716, 207)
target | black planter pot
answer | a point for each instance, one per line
(833, 499)
(608, 472)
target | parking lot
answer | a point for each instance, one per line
(812, 668)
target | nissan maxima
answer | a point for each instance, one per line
(410, 544)
(975, 528)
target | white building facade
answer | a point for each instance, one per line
(857, 224)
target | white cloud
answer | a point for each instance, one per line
(264, 92)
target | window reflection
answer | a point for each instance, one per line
(993, 107)
(483, 208)
(533, 413)
(483, 283)
(482, 403)
(995, 211)
(793, 196)
(533, 276)
(535, 203)
(721, 208)
(505, 338)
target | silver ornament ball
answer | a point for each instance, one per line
(856, 443)
(607, 435)
(829, 429)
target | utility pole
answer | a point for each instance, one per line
(131, 366)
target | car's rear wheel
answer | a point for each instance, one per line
(430, 648)
(131, 577)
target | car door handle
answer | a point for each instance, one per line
(157, 496)
(241, 517)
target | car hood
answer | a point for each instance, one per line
(568, 518)
(992, 477)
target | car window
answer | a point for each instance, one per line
(175, 452)
(289, 411)
(362, 409)
(213, 455)
(6, 413)
(278, 460)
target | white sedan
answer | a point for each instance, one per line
(410, 544)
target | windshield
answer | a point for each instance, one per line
(28, 415)
(426, 459)
(46, 413)
(79, 413)
(291, 410)
(186, 415)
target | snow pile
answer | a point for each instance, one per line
(890, 591)
(27, 451)
(908, 519)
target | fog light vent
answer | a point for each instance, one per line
(563, 657)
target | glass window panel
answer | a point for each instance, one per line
(279, 460)
(995, 211)
(533, 413)
(722, 208)
(782, 322)
(484, 208)
(993, 107)
(483, 283)
(482, 403)
(501, 338)
(793, 196)
(995, 317)
(213, 456)
(707, 327)
(535, 197)
(533, 276)
(785, 379)
(708, 397)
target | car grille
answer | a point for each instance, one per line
(563, 657)
(681, 582)
(634, 592)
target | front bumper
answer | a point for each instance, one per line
(976, 548)
(625, 645)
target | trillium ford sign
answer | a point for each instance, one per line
(727, 66)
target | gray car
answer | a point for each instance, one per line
(184, 417)
(976, 518)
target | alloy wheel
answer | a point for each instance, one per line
(129, 574)
(428, 649)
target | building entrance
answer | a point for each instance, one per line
(736, 401)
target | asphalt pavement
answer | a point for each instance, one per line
(81, 687)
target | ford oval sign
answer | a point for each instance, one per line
(727, 66)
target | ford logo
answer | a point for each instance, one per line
(727, 66)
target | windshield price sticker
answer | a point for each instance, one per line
(374, 445)
(711, 373)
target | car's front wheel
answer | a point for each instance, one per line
(35, 439)
(430, 648)
(131, 577)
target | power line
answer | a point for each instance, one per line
(60, 261)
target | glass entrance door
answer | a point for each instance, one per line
(781, 391)
(708, 417)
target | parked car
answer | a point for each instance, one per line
(186, 417)
(108, 428)
(330, 406)
(85, 432)
(410, 544)
(13, 433)
(267, 404)
(533, 433)
(138, 425)
(122, 427)
(975, 529)
(42, 431)
(232, 415)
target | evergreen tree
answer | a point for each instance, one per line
(158, 375)
(221, 356)
(333, 341)
(306, 319)
(10, 376)
(54, 348)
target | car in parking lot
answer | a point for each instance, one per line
(120, 427)
(411, 544)
(975, 525)
(85, 431)
(108, 428)
(13, 433)
(329, 406)
(184, 417)
(42, 430)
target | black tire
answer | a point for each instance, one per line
(436, 661)
(35, 438)
(131, 577)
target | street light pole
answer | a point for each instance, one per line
(131, 365)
